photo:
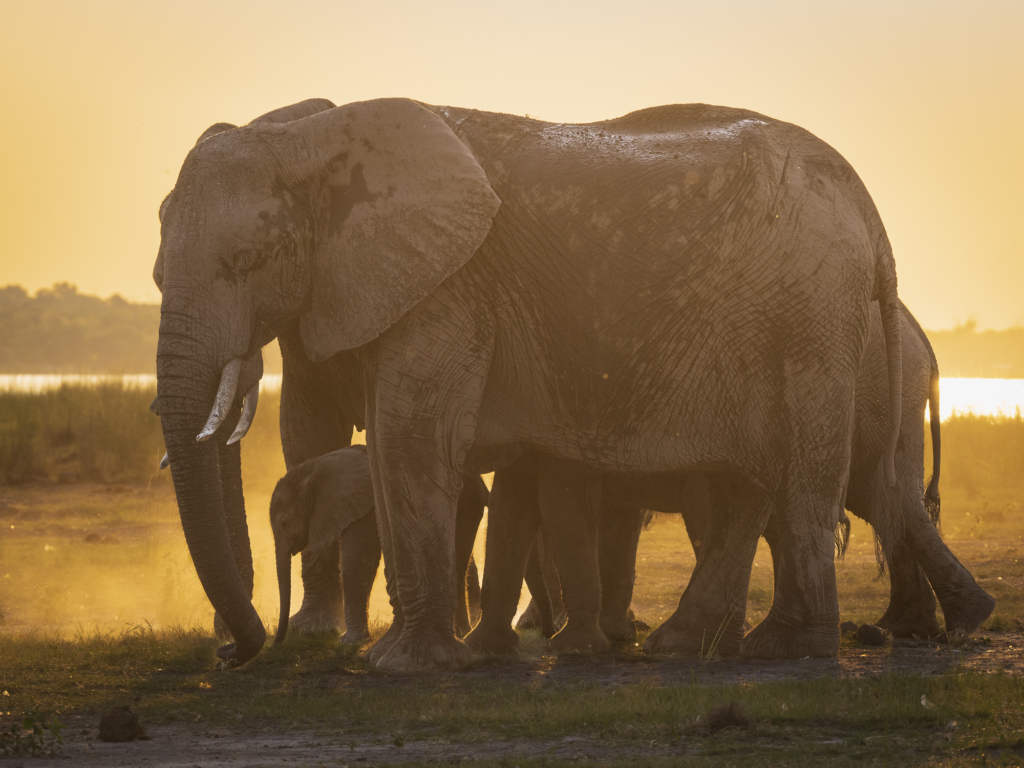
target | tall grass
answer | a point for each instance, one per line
(106, 433)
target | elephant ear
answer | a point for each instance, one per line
(295, 111)
(407, 205)
(336, 494)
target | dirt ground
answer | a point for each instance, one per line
(194, 743)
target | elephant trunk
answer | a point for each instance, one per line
(185, 399)
(284, 582)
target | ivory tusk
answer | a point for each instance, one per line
(165, 462)
(249, 402)
(222, 402)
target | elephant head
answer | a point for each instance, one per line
(311, 507)
(344, 219)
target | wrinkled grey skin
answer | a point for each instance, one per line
(685, 288)
(907, 530)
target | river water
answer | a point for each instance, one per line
(983, 397)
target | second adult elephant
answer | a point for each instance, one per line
(686, 288)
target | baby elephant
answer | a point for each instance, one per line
(318, 503)
(328, 500)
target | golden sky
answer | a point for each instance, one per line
(102, 99)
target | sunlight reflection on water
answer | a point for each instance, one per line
(983, 397)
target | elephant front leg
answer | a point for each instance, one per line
(570, 504)
(360, 558)
(323, 608)
(804, 617)
(512, 523)
(427, 385)
(709, 619)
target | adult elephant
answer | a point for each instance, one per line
(321, 403)
(686, 287)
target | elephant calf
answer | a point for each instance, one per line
(328, 501)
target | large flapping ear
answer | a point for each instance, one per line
(295, 111)
(338, 493)
(409, 205)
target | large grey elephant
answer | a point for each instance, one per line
(683, 288)
(907, 532)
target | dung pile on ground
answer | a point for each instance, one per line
(730, 715)
(121, 724)
(869, 634)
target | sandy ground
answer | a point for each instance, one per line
(191, 744)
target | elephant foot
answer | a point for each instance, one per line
(908, 624)
(426, 651)
(355, 637)
(501, 640)
(691, 638)
(582, 639)
(376, 651)
(966, 612)
(771, 639)
(618, 629)
(312, 620)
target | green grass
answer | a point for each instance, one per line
(308, 683)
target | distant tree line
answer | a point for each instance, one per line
(966, 351)
(60, 330)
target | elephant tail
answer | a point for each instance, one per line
(889, 303)
(932, 501)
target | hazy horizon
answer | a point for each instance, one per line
(103, 101)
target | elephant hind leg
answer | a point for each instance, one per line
(804, 617)
(965, 605)
(911, 610)
(323, 602)
(709, 619)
